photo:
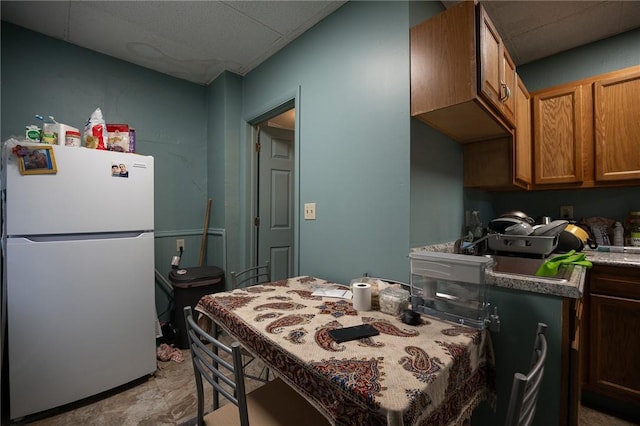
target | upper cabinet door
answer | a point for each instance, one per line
(490, 59)
(617, 127)
(522, 156)
(558, 135)
(497, 70)
(508, 85)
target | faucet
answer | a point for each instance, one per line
(472, 248)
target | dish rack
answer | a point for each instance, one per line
(527, 244)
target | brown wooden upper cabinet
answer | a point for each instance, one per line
(523, 158)
(463, 83)
(559, 137)
(445, 89)
(497, 70)
(586, 132)
(616, 102)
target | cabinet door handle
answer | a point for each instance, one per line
(507, 92)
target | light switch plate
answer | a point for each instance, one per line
(310, 211)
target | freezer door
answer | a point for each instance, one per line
(85, 195)
(81, 318)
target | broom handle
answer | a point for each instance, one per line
(203, 242)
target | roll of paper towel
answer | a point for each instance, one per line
(362, 296)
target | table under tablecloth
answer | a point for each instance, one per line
(434, 373)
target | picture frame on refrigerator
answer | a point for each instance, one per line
(37, 160)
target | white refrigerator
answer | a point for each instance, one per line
(78, 272)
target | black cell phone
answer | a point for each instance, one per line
(355, 332)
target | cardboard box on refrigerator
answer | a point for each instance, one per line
(59, 131)
(118, 137)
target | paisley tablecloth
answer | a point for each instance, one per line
(435, 373)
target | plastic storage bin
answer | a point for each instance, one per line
(189, 285)
(450, 287)
(394, 300)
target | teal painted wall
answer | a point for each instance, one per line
(353, 73)
(45, 76)
(436, 186)
(224, 97)
(607, 55)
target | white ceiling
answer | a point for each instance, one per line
(191, 40)
(198, 40)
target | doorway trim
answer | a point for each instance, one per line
(288, 101)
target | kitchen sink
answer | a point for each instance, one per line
(527, 267)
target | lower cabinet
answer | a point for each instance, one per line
(611, 344)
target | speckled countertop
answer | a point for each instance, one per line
(631, 260)
(571, 288)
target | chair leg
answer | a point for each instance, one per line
(216, 332)
(264, 372)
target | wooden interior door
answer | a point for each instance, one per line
(276, 201)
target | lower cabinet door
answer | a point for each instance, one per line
(614, 346)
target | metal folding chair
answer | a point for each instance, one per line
(251, 276)
(524, 392)
(274, 403)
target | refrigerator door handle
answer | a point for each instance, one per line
(79, 237)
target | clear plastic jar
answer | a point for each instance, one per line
(393, 300)
(632, 229)
(72, 138)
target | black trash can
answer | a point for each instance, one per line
(189, 285)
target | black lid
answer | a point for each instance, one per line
(194, 274)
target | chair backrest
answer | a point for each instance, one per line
(524, 391)
(226, 376)
(251, 276)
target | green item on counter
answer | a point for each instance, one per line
(550, 267)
